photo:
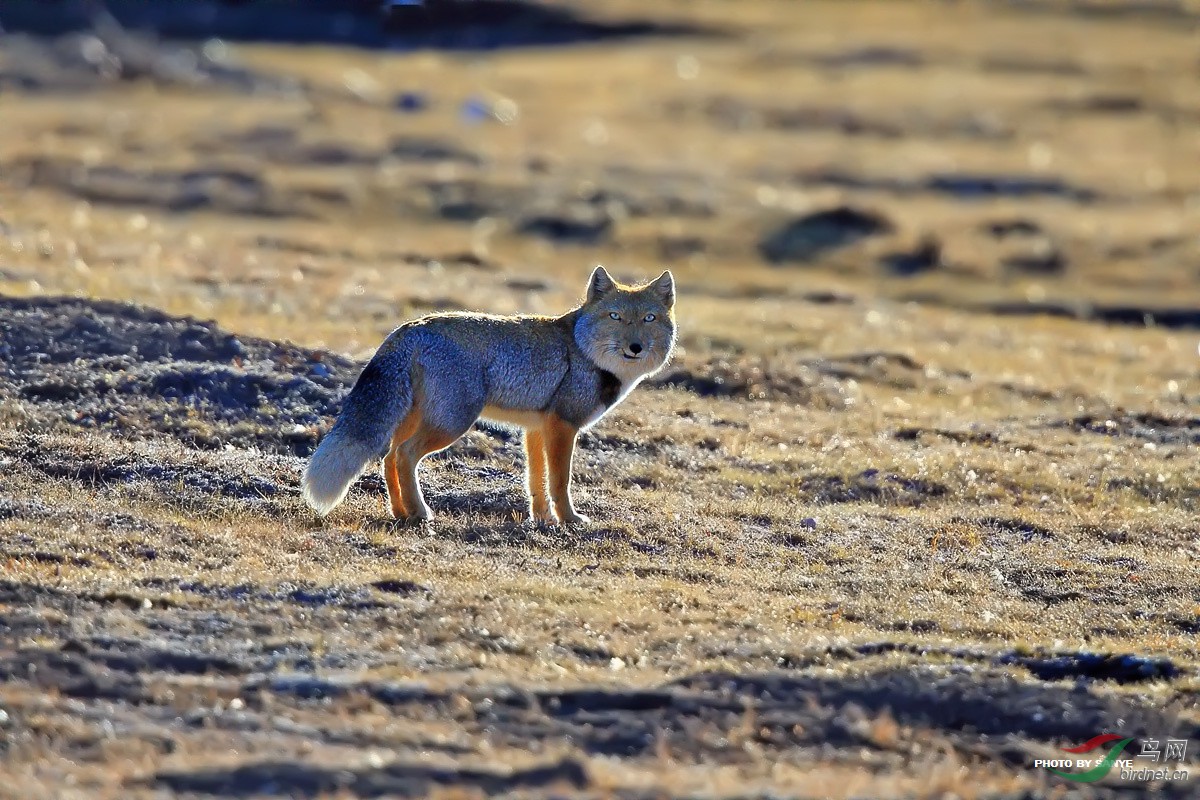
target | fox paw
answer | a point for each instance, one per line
(575, 518)
(543, 517)
(405, 519)
(410, 522)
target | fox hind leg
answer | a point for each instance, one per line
(560, 449)
(391, 476)
(449, 399)
(535, 463)
(425, 440)
(391, 464)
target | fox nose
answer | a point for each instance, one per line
(635, 348)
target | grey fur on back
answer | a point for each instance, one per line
(467, 361)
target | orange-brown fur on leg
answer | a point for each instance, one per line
(535, 461)
(391, 472)
(425, 439)
(560, 447)
(391, 476)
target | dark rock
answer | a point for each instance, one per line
(970, 186)
(471, 200)
(812, 235)
(410, 148)
(827, 298)
(582, 227)
(877, 56)
(1017, 226)
(926, 256)
(1103, 104)
(962, 186)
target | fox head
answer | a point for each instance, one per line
(627, 330)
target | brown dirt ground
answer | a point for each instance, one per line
(892, 524)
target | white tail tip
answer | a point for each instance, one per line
(334, 466)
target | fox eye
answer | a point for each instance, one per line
(614, 315)
(650, 318)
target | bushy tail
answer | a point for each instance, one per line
(380, 399)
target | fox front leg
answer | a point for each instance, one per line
(535, 464)
(560, 448)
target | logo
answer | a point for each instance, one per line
(1094, 768)
(1100, 770)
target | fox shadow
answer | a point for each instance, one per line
(492, 518)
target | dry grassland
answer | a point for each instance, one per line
(915, 504)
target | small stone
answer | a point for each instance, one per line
(411, 102)
(475, 110)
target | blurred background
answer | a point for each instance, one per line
(319, 169)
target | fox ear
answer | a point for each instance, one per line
(664, 285)
(600, 284)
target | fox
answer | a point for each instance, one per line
(432, 378)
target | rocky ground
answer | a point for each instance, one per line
(914, 505)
